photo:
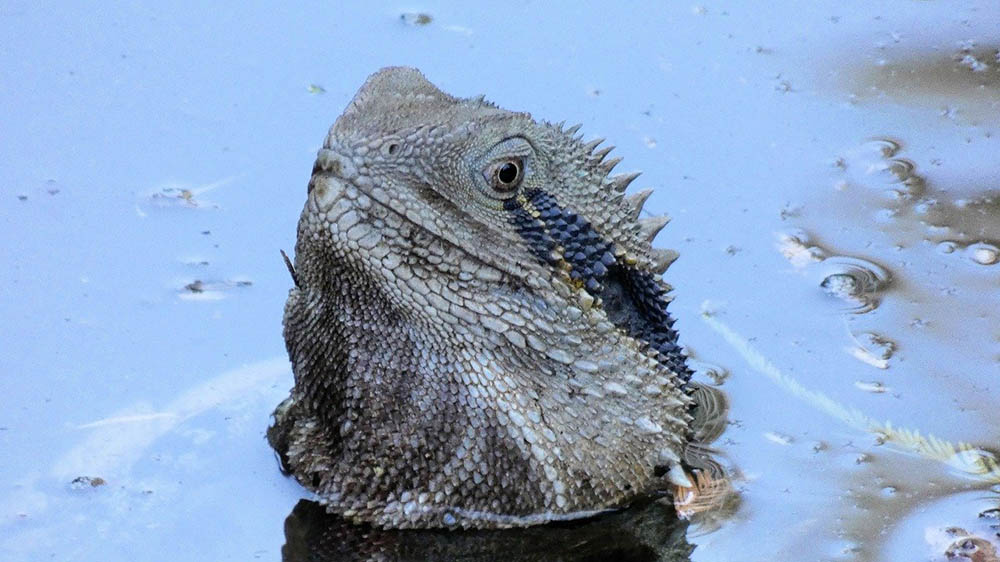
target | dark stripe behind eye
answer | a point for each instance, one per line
(634, 299)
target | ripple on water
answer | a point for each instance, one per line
(711, 413)
(884, 147)
(875, 165)
(873, 349)
(950, 528)
(715, 373)
(857, 281)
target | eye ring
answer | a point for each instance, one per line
(505, 176)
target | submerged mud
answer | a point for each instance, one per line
(961, 80)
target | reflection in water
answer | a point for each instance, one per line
(645, 532)
(711, 499)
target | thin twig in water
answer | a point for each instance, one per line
(970, 461)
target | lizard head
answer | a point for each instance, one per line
(479, 332)
(520, 201)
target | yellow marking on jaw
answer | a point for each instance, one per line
(565, 266)
(527, 206)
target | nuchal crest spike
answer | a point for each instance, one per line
(636, 201)
(620, 182)
(651, 226)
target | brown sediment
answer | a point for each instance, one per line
(959, 82)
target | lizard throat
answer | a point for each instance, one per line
(632, 298)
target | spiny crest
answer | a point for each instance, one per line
(615, 215)
(636, 201)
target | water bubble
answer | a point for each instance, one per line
(855, 281)
(983, 253)
(841, 284)
(947, 247)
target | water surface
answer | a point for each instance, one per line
(154, 160)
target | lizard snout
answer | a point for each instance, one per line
(330, 174)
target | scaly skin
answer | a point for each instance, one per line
(478, 330)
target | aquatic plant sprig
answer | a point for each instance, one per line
(968, 460)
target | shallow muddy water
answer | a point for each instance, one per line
(833, 174)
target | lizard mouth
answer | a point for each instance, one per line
(331, 174)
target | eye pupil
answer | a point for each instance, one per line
(507, 173)
(504, 176)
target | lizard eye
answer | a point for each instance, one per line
(506, 175)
